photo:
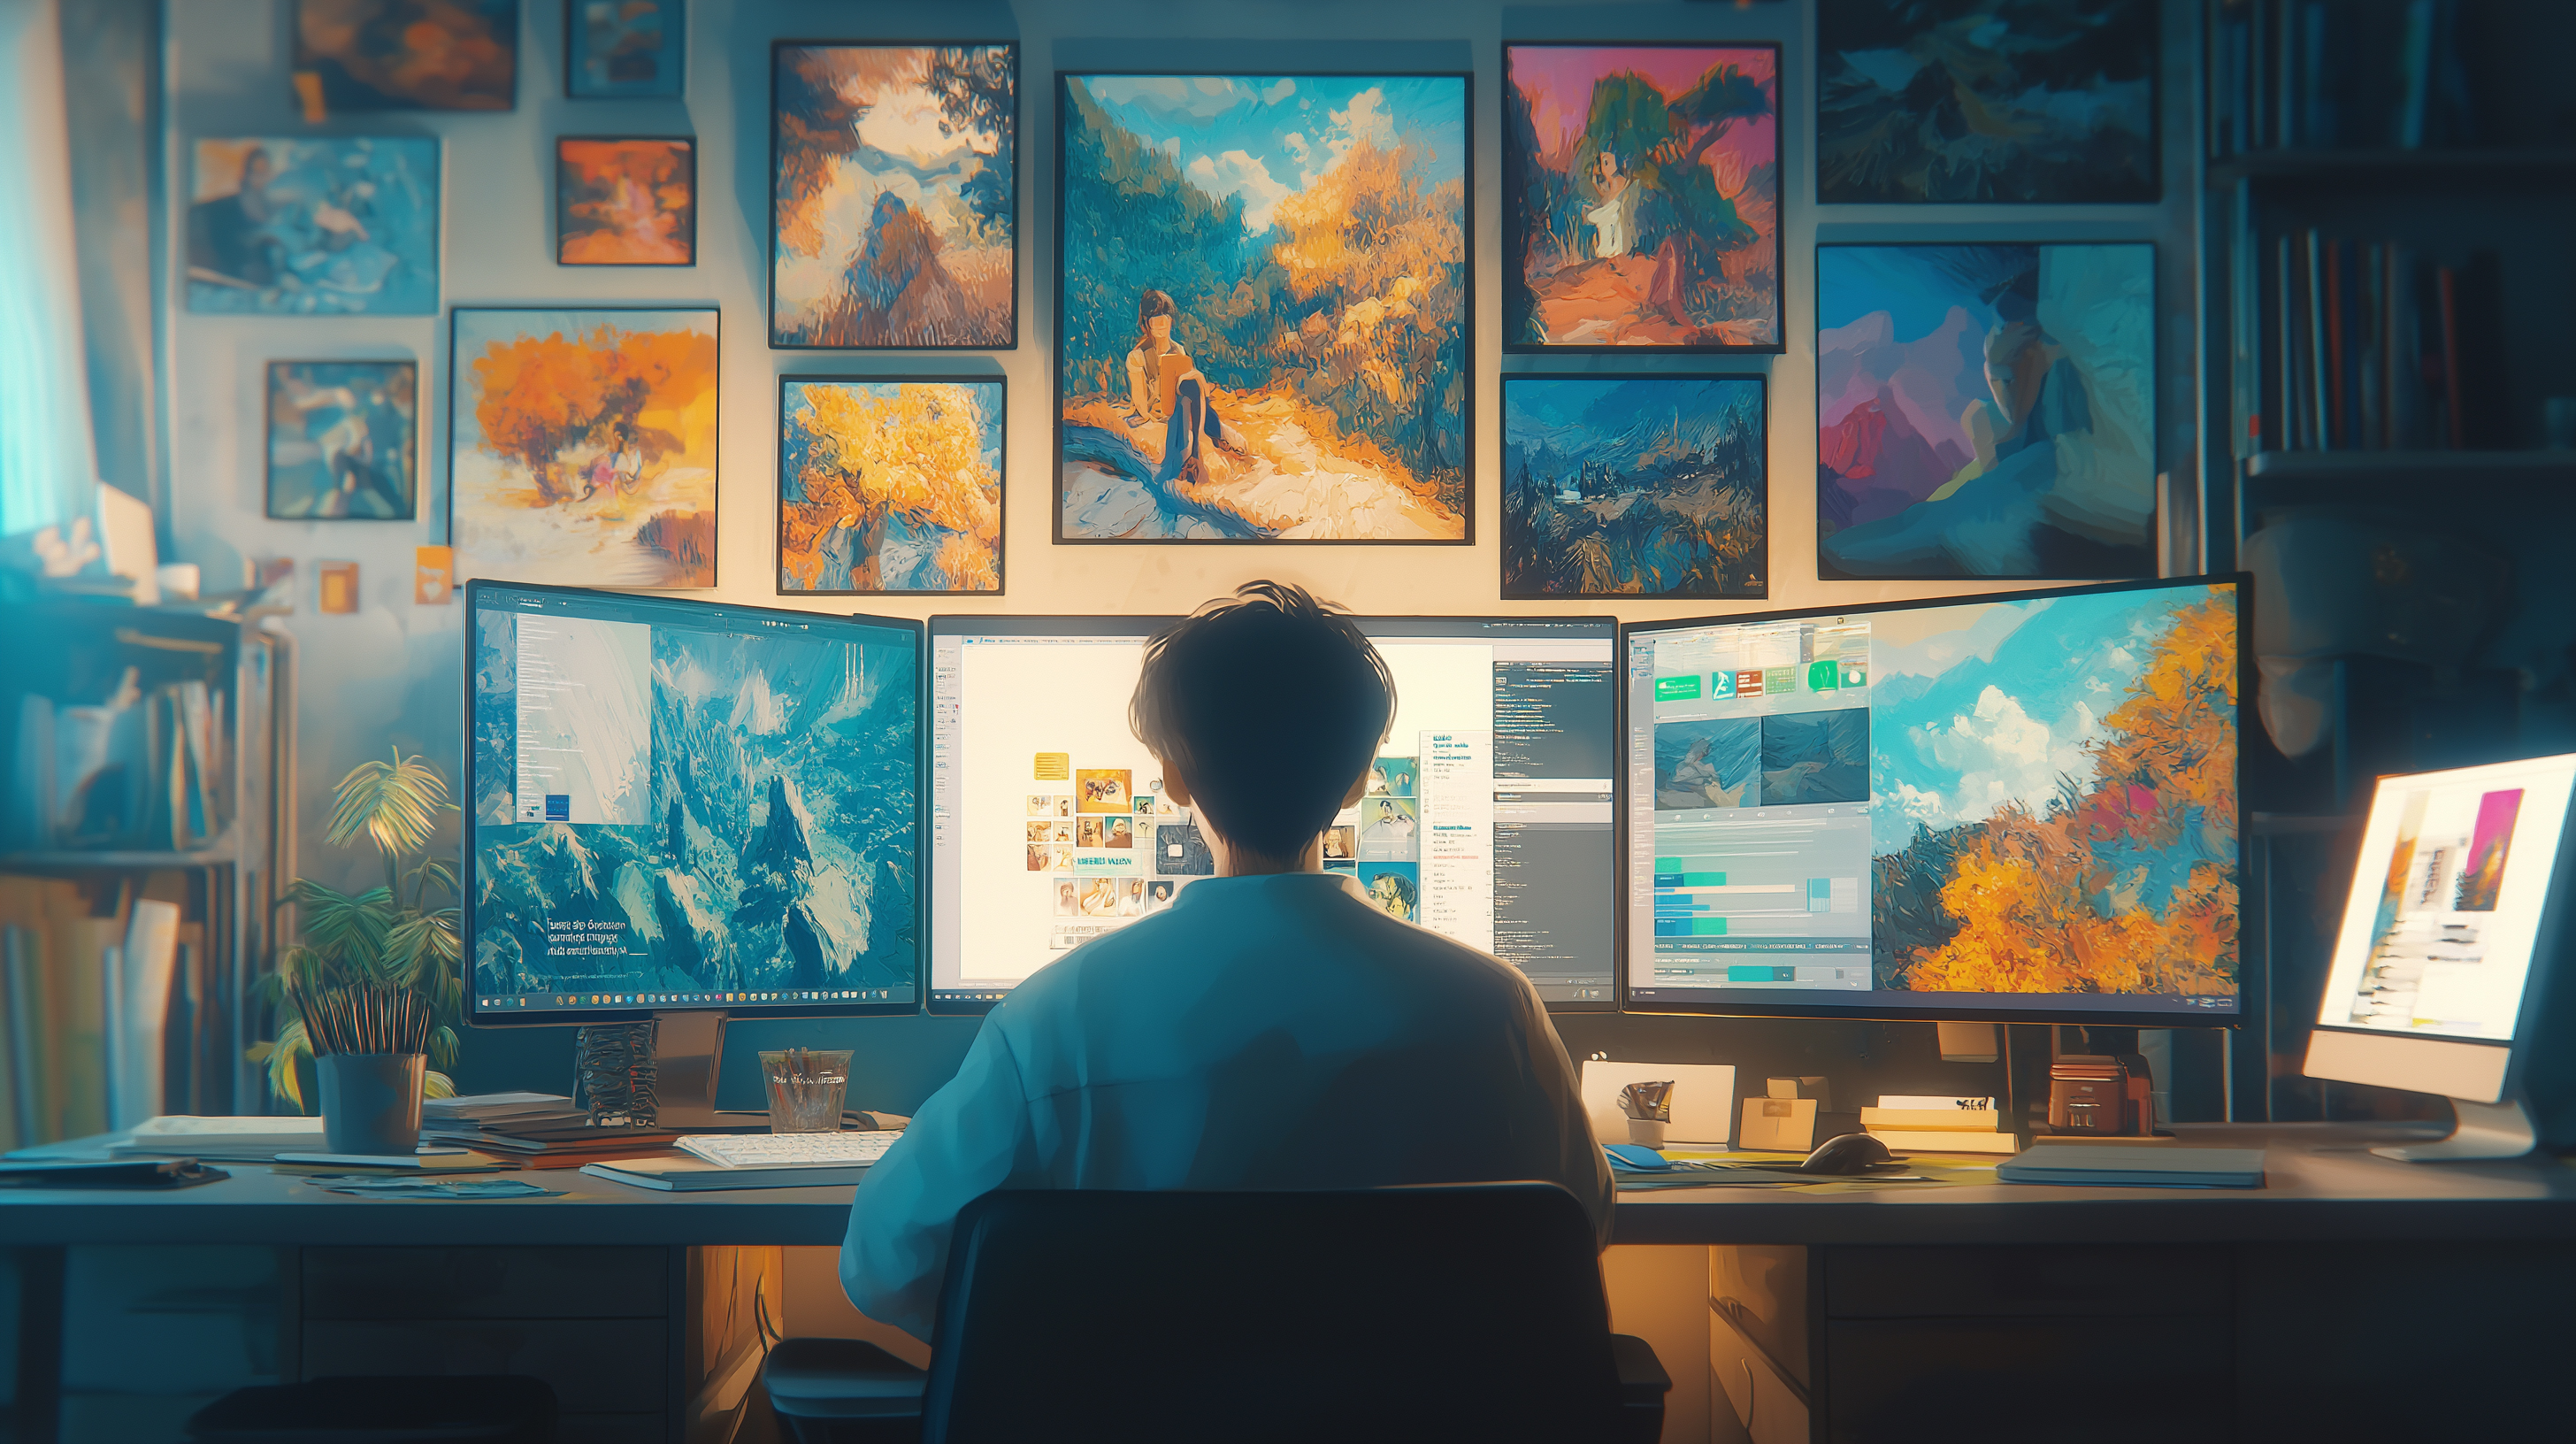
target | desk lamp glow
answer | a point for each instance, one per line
(2455, 912)
(684, 811)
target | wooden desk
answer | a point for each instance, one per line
(2352, 1297)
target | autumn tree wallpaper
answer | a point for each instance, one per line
(889, 485)
(2055, 805)
(582, 446)
(1263, 308)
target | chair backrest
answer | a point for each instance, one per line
(1469, 1311)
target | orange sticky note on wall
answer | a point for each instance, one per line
(433, 576)
(1054, 766)
(340, 587)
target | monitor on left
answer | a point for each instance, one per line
(678, 806)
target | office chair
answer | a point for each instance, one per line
(1469, 1311)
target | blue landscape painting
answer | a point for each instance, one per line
(1264, 308)
(2020, 101)
(341, 440)
(1985, 411)
(311, 226)
(1635, 486)
(752, 828)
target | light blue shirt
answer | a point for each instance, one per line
(1272, 1032)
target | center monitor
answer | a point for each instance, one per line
(678, 806)
(1488, 816)
(2016, 808)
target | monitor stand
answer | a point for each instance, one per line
(2486, 1130)
(688, 1057)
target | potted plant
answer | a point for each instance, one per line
(402, 933)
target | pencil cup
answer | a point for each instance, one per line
(805, 1088)
(371, 1101)
(1646, 1131)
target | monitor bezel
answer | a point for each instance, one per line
(950, 624)
(1935, 1013)
(2542, 989)
(477, 1017)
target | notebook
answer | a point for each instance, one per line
(2137, 1167)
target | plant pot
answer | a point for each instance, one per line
(371, 1102)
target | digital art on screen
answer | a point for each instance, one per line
(894, 196)
(889, 484)
(1619, 486)
(749, 819)
(1641, 197)
(405, 55)
(314, 226)
(1985, 411)
(626, 202)
(2016, 101)
(621, 49)
(582, 445)
(1263, 308)
(2055, 805)
(343, 440)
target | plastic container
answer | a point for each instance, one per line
(805, 1089)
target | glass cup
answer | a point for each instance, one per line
(805, 1088)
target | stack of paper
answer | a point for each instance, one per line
(476, 1119)
(227, 1140)
(1935, 1124)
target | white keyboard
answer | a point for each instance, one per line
(789, 1150)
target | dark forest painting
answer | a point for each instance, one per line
(1653, 486)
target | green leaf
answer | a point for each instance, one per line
(291, 1047)
(442, 1046)
(349, 929)
(396, 804)
(434, 1084)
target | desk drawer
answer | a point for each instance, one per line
(2047, 1381)
(1768, 1407)
(596, 1366)
(2025, 1281)
(487, 1283)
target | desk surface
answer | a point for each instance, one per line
(2322, 1185)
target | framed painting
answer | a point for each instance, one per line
(1647, 485)
(1262, 321)
(343, 440)
(582, 444)
(894, 201)
(625, 49)
(626, 201)
(314, 226)
(1641, 197)
(2026, 102)
(405, 55)
(889, 484)
(1985, 411)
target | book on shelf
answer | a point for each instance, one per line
(2315, 74)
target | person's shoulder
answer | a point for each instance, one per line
(1453, 963)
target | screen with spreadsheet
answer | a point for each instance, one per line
(678, 805)
(1488, 816)
(1990, 807)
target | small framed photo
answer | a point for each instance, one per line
(343, 440)
(890, 484)
(1646, 485)
(625, 49)
(626, 201)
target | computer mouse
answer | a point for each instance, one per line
(1851, 1153)
(1636, 1155)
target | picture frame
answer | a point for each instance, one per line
(342, 440)
(933, 278)
(626, 200)
(950, 534)
(269, 224)
(556, 473)
(610, 55)
(1600, 499)
(1642, 215)
(1348, 461)
(343, 61)
(1941, 369)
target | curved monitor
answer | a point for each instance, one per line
(2010, 808)
(687, 806)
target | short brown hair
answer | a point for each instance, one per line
(1271, 704)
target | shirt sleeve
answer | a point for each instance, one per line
(972, 1137)
(1582, 1168)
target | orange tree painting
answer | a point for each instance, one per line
(1263, 308)
(2055, 801)
(583, 446)
(626, 202)
(889, 485)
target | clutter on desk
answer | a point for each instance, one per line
(141, 1173)
(806, 1086)
(227, 1140)
(2138, 1167)
(1648, 1107)
(2100, 1093)
(562, 1146)
(1939, 1125)
(1784, 1118)
(1699, 1105)
(435, 1187)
